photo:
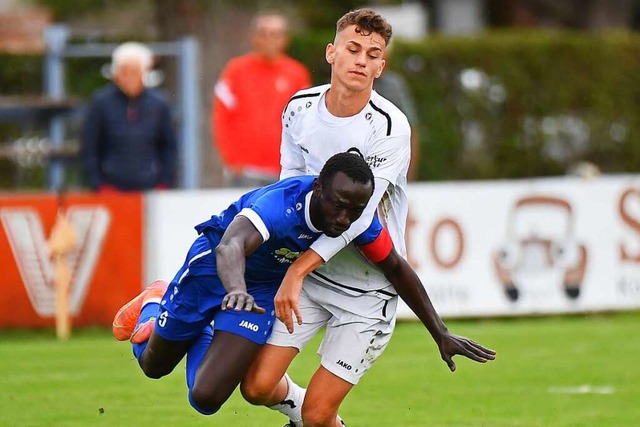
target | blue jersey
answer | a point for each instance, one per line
(280, 212)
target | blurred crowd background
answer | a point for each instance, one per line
(502, 89)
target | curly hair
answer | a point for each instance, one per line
(366, 21)
(351, 164)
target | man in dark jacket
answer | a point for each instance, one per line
(128, 140)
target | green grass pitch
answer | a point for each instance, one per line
(581, 371)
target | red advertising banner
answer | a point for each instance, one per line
(105, 259)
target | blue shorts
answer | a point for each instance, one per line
(194, 297)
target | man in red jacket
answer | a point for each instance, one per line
(249, 98)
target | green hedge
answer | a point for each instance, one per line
(545, 101)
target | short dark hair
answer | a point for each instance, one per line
(349, 163)
(366, 20)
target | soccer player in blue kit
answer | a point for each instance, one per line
(232, 272)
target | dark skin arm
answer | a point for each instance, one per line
(409, 287)
(239, 240)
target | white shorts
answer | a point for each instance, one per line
(358, 328)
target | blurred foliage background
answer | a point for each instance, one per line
(502, 103)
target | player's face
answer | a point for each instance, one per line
(339, 204)
(356, 58)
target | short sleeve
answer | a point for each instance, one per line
(267, 214)
(389, 157)
(371, 233)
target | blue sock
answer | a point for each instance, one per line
(150, 310)
(195, 355)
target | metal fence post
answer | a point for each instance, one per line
(188, 82)
(56, 39)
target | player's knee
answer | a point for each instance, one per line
(256, 392)
(315, 417)
(204, 401)
(155, 371)
(202, 404)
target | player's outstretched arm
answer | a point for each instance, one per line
(286, 299)
(240, 239)
(408, 285)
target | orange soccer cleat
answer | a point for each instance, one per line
(143, 332)
(126, 318)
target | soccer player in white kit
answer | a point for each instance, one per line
(347, 294)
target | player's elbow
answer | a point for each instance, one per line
(227, 250)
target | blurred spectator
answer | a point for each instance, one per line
(392, 86)
(249, 98)
(128, 140)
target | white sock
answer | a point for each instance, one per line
(291, 406)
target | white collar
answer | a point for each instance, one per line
(307, 212)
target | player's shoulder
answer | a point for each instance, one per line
(287, 187)
(385, 111)
(297, 184)
(281, 199)
(306, 97)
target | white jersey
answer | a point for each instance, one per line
(381, 134)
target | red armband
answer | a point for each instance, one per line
(380, 248)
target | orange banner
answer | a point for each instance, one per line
(105, 257)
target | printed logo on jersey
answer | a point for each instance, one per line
(375, 161)
(251, 326)
(286, 255)
(25, 233)
(345, 365)
(305, 236)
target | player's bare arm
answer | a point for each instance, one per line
(286, 299)
(239, 240)
(410, 288)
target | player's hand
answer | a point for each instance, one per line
(286, 301)
(451, 345)
(241, 300)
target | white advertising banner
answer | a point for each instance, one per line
(490, 248)
(526, 247)
(169, 227)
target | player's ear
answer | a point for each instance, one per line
(330, 52)
(381, 69)
(317, 187)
